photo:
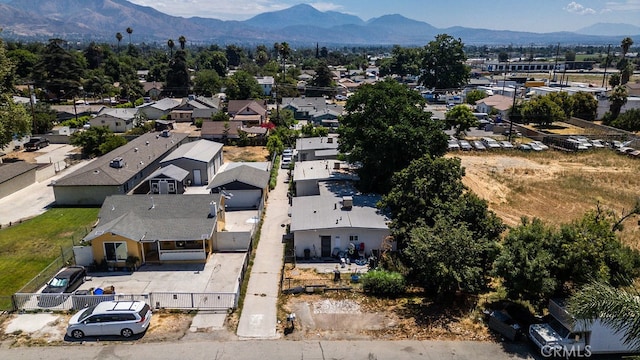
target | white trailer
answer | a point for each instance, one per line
(564, 336)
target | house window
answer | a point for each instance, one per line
(172, 187)
(115, 251)
(154, 188)
(117, 123)
(353, 238)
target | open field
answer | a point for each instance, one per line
(555, 186)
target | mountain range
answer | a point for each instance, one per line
(300, 25)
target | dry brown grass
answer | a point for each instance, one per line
(245, 153)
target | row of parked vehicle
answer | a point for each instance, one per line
(487, 143)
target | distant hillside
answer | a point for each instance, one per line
(300, 25)
(609, 29)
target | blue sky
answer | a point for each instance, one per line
(521, 15)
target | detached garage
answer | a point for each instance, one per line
(244, 185)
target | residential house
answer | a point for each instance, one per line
(162, 228)
(244, 185)
(184, 111)
(117, 172)
(339, 222)
(68, 112)
(159, 109)
(116, 119)
(303, 106)
(152, 89)
(307, 175)
(317, 148)
(205, 114)
(16, 176)
(250, 112)
(169, 179)
(220, 131)
(201, 158)
(266, 83)
(500, 103)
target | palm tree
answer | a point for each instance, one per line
(625, 44)
(171, 44)
(285, 51)
(129, 31)
(182, 40)
(119, 38)
(617, 99)
(617, 308)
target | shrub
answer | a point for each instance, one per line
(384, 283)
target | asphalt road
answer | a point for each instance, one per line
(274, 349)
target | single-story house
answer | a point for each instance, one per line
(250, 112)
(117, 172)
(244, 185)
(201, 158)
(159, 109)
(500, 103)
(337, 221)
(162, 228)
(16, 176)
(266, 83)
(304, 106)
(317, 148)
(308, 174)
(204, 114)
(169, 179)
(116, 119)
(220, 130)
(152, 89)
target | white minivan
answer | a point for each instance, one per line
(124, 318)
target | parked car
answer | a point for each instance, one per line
(36, 143)
(341, 97)
(453, 145)
(285, 163)
(124, 318)
(541, 145)
(288, 152)
(525, 147)
(465, 145)
(478, 145)
(597, 144)
(506, 145)
(534, 146)
(65, 281)
(490, 143)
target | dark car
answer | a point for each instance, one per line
(66, 281)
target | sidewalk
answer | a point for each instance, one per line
(258, 319)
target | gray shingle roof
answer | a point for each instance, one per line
(316, 143)
(159, 217)
(137, 154)
(170, 171)
(325, 211)
(244, 173)
(200, 150)
(11, 170)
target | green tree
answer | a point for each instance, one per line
(129, 31)
(234, 55)
(527, 263)
(564, 100)
(446, 258)
(385, 127)
(629, 120)
(59, 71)
(614, 80)
(617, 308)
(322, 83)
(585, 106)
(443, 63)
(171, 44)
(14, 120)
(617, 99)
(178, 75)
(96, 141)
(44, 118)
(183, 41)
(207, 82)
(241, 86)
(212, 60)
(274, 145)
(626, 68)
(461, 118)
(542, 110)
(119, 38)
(475, 95)
(24, 62)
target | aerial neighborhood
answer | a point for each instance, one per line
(449, 189)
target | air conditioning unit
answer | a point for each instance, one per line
(117, 163)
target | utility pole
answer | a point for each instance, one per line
(513, 109)
(606, 62)
(555, 65)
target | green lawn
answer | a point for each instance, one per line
(28, 248)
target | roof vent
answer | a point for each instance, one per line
(117, 163)
(347, 202)
(329, 140)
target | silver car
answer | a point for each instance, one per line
(124, 318)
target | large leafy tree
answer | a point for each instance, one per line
(44, 118)
(475, 95)
(542, 110)
(207, 82)
(564, 100)
(443, 63)
(385, 127)
(322, 83)
(461, 118)
(97, 141)
(585, 106)
(14, 120)
(59, 71)
(629, 120)
(241, 86)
